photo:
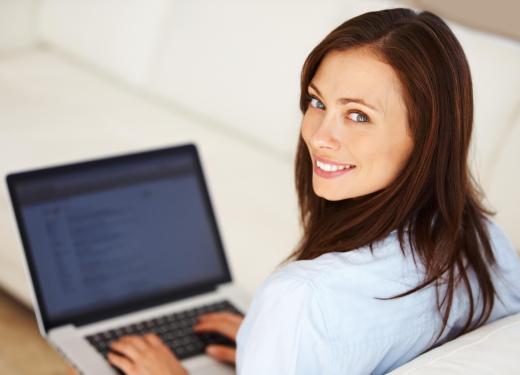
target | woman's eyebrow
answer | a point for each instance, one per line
(347, 100)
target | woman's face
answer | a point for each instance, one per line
(355, 126)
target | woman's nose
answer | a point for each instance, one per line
(324, 137)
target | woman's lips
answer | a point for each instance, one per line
(326, 174)
(328, 169)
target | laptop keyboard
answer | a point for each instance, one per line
(174, 329)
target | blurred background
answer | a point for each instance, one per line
(84, 79)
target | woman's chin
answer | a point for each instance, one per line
(331, 195)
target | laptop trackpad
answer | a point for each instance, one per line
(204, 365)
(214, 370)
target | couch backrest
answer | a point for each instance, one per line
(236, 64)
(117, 37)
(503, 184)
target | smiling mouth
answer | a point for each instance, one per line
(333, 167)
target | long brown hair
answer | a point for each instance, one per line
(434, 198)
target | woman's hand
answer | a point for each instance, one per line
(148, 355)
(144, 355)
(225, 323)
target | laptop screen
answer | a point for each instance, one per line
(119, 234)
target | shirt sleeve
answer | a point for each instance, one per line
(284, 331)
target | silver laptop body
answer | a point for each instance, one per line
(118, 241)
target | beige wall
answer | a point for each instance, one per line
(498, 16)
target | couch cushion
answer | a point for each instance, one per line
(491, 349)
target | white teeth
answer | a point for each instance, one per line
(331, 167)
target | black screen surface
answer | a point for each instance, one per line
(118, 234)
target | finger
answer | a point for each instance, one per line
(154, 340)
(123, 363)
(72, 371)
(221, 315)
(225, 328)
(138, 342)
(160, 348)
(235, 318)
(126, 349)
(222, 353)
(228, 317)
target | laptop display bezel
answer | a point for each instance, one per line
(140, 303)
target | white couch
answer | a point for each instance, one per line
(82, 79)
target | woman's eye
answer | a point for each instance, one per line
(358, 116)
(316, 103)
(355, 116)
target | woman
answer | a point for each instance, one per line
(398, 254)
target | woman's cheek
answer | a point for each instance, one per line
(306, 130)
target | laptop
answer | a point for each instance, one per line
(124, 245)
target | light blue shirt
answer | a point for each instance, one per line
(319, 316)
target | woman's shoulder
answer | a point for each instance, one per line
(390, 260)
(349, 289)
(505, 273)
(350, 283)
(386, 260)
(503, 247)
